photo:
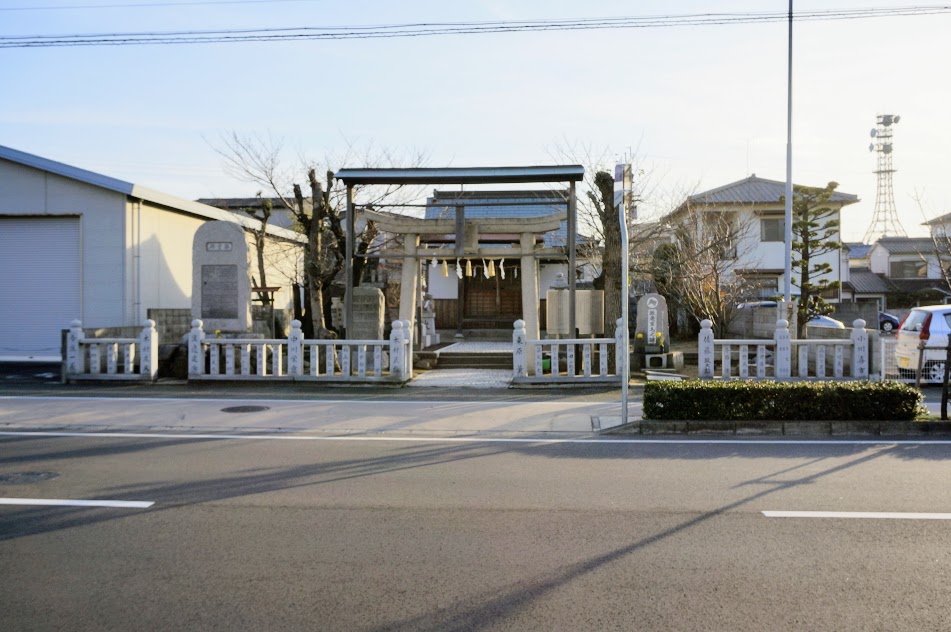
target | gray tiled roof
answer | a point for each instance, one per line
(865, 282)
(239, 203)
(489, 204)
(907, 245)
(755, 190)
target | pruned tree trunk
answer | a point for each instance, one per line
(611, 262)
(311, 224)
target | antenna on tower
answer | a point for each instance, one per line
(885, 221)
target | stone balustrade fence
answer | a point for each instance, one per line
(300, 359)
(774, 358)
(528, 358)
(129, 359)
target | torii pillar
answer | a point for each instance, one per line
(529, 295)
(408, 280)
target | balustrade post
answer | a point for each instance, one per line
(859, 349)
(295, 350)
(148, 351)
(75, 363)
(519, 350)
(408, 333)
(277, 358)
(622, 354)
(196, 350)
(782, 362)
(705, 350)
(396, 350)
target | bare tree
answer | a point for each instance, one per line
(699, 269)
(262, 213)
(599, 220)
(939, 230)
(319, 216)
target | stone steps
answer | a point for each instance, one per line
(475, 360)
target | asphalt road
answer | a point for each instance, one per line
(313, 532)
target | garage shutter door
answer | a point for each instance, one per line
(39, 283)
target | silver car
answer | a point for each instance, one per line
(927, 326)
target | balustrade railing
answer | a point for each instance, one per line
(300, 359)
(528, 358)
(130, 359)
(774, 358)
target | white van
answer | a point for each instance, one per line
(929, 326)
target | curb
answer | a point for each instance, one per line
(783, 428)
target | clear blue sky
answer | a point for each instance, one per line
(704, 105)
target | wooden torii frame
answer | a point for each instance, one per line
(411, 228)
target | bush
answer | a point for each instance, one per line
(780, 401)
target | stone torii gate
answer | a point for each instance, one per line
(467, 231)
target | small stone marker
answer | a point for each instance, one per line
(221, 289)
(429, 337)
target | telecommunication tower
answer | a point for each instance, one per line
(885, 221)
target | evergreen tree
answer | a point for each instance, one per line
(815, 232)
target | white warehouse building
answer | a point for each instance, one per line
(75, 244)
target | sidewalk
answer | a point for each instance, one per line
(368, 416)
(462, 401)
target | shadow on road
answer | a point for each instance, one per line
(484, 611)
(259, 481)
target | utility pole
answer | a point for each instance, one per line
(787, 288)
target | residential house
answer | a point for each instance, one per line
(747, 218)
(912, 269)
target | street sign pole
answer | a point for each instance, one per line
(625, 368)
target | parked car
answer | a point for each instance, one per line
(754, 304)
(825, 321)
(887, 322)
(928, 325)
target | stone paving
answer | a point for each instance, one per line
(471, 378)
(478, 347)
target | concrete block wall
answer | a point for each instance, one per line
(171, 324)
(848, 312)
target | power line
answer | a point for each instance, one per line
(147, 5)
(426, 29)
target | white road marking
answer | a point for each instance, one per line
(246, 400)
(470, 439)
(122, 504)
(865, 515)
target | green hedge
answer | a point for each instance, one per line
(711, 400)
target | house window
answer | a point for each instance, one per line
(764, 288)
(772, 229)
(830, 295)
(908, 270)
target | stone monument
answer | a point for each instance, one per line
(221, 288)
(652, 335)
(368, 314)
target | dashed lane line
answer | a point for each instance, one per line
(862, 515)
(57, 502)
